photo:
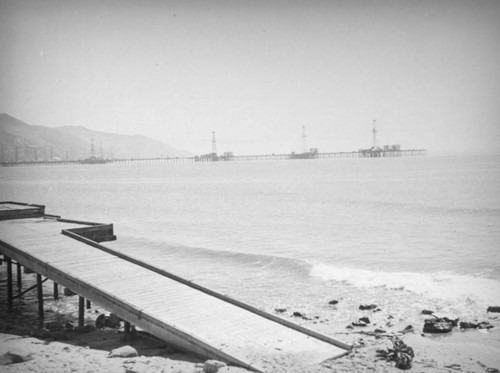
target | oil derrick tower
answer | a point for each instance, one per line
(214, 144)
(374, 134)
(304, 140)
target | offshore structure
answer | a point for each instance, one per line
(387, 150)
(374, 151)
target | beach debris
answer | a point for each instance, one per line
(401, 354)
(471, 325)
(487, 369)
(359, 323)
(333, 302)
(349, 327)
(427, 312)
(439, 325)
(363, 321)
(407, 329)
(494, 309)
(213, 366)
(453, 366)
(14, 358)
(367, 307)
(280, 310)
(124, 351)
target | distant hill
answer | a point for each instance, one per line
(20, 141)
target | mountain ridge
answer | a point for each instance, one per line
(20, 141)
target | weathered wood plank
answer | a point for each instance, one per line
(165, 307)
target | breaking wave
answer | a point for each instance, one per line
(442, 285)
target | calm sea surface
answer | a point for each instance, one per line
(421, 231)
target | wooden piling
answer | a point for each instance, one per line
(19, 277)
(126, 329)
(56, 291)
(89, 304)
(40, 295)
(8, 260)
(81, 311)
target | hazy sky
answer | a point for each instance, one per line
(255, 72)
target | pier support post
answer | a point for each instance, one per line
(89, 304)
(127, 329)
(56, 291)
(9, 282)
(19, 277)
(81, 310)
(40, 295)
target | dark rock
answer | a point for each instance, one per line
(212, 366)
(470, 325)
(493, 309)
(408, 329)
(438, 325)
(113, 321)
(401, 354)
(366, 320)
(333, 302)
(349, 327)
(367, 307)
(302, 316)
(379, 331)
(125, 351)
(100, 322)
(280, 310)
(14, 358)
(427, 312)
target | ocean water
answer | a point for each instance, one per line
(405, 233)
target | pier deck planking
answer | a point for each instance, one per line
(187, 317)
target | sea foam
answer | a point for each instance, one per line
(442, 285)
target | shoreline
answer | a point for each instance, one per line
(68, 351)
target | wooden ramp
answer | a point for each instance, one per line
(191, 318)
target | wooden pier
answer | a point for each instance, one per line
(215, 158)
(186, 315)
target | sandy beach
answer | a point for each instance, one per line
(69, 351)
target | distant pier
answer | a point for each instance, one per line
(227, 157)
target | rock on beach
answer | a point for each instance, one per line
(125, 351)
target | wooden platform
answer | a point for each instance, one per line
(188, 317)
(16, 210)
